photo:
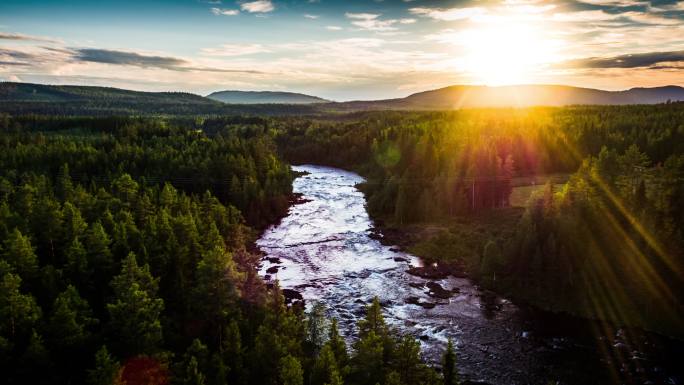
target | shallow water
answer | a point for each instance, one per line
(323, 248)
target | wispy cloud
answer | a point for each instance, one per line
(448, 14)
(310, 16)
(105, 56)
(229, 50)
(333, 28)
(372, 22)
(636, 60)
(20, 36)
(259, 6)
(224, 12)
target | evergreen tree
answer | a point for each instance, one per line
(215, 291)
(18, 312)
(374, 320)
(291, 371)
(107, 370)
(135, 310)
(449, 370)
(20, 254)
(325, 368)
(338, 347)
(316, 325)
(71, 320)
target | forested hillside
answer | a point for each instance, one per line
(26, 98)
(125, 255)
(607, 245)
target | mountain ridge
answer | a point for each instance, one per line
(475, 96)
(264, 97)
(41, 98)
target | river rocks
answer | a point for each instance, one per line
(417, 301)
(298, 199)
(437, 291)
(400, 259)
(272, 270)
(395, 249)
(274, 260)
(437, 271)
(417, 285)
(293, 297)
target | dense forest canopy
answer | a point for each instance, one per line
(607, 245)
(125, 243)
(125, 257)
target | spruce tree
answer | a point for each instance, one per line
(135, 310)
(449, 370)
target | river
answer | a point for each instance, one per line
(324, 249)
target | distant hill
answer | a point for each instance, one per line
(49, 93)
(26, 98)
(23, 98)
(455, 97)
(264, 97)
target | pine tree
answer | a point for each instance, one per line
(291, 371)
(233, 353)
(74, 224)
(216, 291)
(18, 312)
(20, 254)
(135, 309)
(325, 367)
(374, 321)
(338, 347)
(407, 362)
(76, 266)
(107, 369)
(71, 320)
(449, 370)
(368, 360)
(316, 325)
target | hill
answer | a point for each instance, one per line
(455, 97)
(49, 93)
(27, 98)
(264, 97)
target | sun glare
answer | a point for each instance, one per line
(502, 54)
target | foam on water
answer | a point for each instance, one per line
(324, 249)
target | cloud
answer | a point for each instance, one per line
(105, 56)
(224, 12)
(333, 28)
(448, 14)
(372, 22)
(13, 63)
(309, 16)
(10, 54)
(236, 50)
(627, 61)
(259, 6)
(21, 36)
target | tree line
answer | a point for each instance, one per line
(608, 244)
(125, 258)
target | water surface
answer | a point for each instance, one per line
(325, 250)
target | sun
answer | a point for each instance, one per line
(504, 54)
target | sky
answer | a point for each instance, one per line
(341, 50)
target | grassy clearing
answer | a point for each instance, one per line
(524, 187)
(462, 240)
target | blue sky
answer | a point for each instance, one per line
(343, 50)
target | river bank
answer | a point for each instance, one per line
(328, 249)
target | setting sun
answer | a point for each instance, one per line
(503, 54)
